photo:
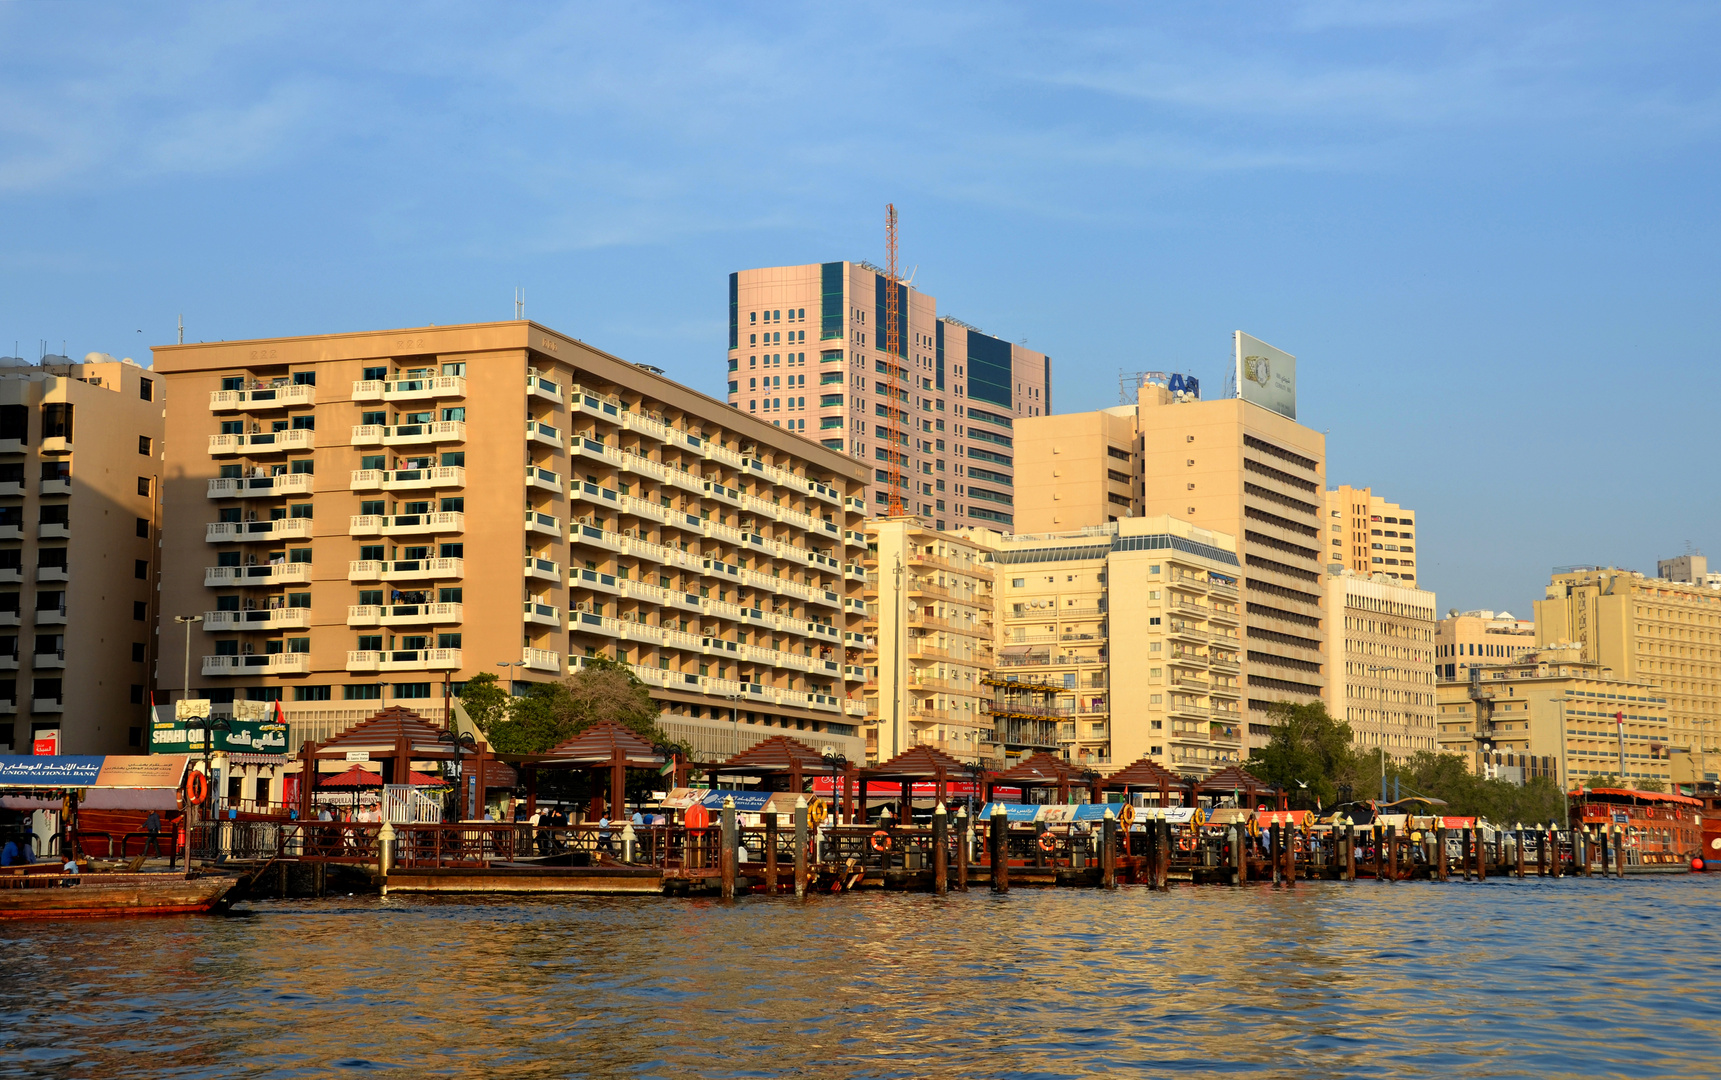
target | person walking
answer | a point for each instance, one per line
(152, 826)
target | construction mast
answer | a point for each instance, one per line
(896, 409)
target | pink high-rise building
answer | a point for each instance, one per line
(807, 353)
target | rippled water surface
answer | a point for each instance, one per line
(1566, 978)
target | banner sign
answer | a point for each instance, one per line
(242, 736)
(1265, 375)
(746, 802)
(119, 771)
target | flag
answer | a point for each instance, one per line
(668, 767)
(280, 714)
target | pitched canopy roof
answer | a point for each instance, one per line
(359, 776)
(779, 753)
(602, 744)
(1234, 778)
(918, 762)
(1144, 772)
(1039, 770)
(382, 732)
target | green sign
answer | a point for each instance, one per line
(242, 737)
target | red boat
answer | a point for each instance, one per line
(1663, 832)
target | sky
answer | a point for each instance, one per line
(1487, 231)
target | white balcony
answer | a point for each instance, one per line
(406, 570)
(543, 569)
(47, 616)
(11, 487)
(439, 386)
(543, 434)
(542, 660)
(57, 485)
(247, 487)
(586, 536)
(47, 705)
(255, 664)
(440, 431)
(11, 575)
(539, 387)
(258, 575)
(406, 524)
(230, 532)
(263, 442)
(8, 661)
(222, 622)
(11, 532)
(54, 659)
(259, 399)
(56, 444)
(53, 530)
(542, 614)
(543, 524)
(405, 614)
(542, 479)
(51, 573)
(445, 476)
(404, 660)
(591, 579)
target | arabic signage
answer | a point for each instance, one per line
(242, 736)
(80, 771)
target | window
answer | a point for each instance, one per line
(370, 552)
(311, 693)
(454, 505)
(299, 600)
(371, 507)
(411, 689)
(233, 382)
(139, 610)
(145, 390)
(373, 374)
(137, 652)
(453, 551)
(373, 461)
(143, 445)
(366, 692)
(299, 510)
(370, 643)
(370, 597)
(452, 596)
(454, 459)
(299, 555)
(448, 641)
(143, 483)
(298, 644)
(140, 569)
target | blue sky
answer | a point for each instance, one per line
(1488, 231)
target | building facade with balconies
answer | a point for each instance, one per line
(1119, 641)
(80, 474)
(1381, 638)
(381, 516)
(929, 624)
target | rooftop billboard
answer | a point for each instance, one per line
(1265, 375)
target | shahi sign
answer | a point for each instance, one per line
(242, 736)
(78, 771)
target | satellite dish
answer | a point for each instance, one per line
(912, 606)
(829, 749)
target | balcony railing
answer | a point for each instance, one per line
(405, 614)
(404, 660)
(261, 574)
(245, 487)
(452, 521)
(542, 614)
(263, 442)
(436, 386)
(215, 622)
(259, 398)
(258, 664)
(406, 569)
(445, 476)
(542, 660)
(422, 434)
(228, 532)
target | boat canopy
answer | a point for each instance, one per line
(112, 782)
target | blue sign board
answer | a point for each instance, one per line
(746, 802)
(1096, 811)
(50, 771)
(1012, 811)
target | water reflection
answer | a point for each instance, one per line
(1415, 979)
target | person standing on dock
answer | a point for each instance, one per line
(152, 826)
(604, 834)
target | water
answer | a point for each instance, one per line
(1544, 979)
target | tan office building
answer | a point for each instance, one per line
(1381, 641)
(1552, 713)
(1652, 630)
(961, 389)
(1228, 466)
(1465, 639)
(374, 518)
(930, 614)
(1117, 642)
(80, 467)
(1369, 535)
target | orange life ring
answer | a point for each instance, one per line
(1297, 844)
(880, 840)
(1185, 844)
(1048, 842)
(197, 788)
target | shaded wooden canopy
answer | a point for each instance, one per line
(384, 734)
(777, 754)
(917, 763)
(1143, 772)
(602, 745)
(358, 776)
(1235, 778)
(1038, 770)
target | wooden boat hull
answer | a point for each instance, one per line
(109, 896)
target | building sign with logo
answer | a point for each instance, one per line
(1265, 375)
(241, 736)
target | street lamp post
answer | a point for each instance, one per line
(459, 744)
(187, 621)
(896, 651)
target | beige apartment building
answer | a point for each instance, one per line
(374, 518)
(1465, 639)
(930, 613)
(1652, 630)
(1369, 535)
(960, 391)
(1381, 641)
(1552, 713)
(1228, 466)
(80, 468)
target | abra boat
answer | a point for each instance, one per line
(1662, 831)
(43, 892)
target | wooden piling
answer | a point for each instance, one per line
(1619, 850)
(1108, 851)
(1379, 860)
(800, 847)
(1234, 864)
(1518, 844)
(1541, 853)
(1350, 852)
(1392, 852)
(964, 837)
(940, 850)
(1273, 858)
(1162, 876)
(997, 850)
(1481, 855)
(1440, 853)
(1290, 839)
(726, 858)
(771, 854)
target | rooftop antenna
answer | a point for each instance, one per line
(182, 328)
(520, 303)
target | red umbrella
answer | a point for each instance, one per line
(359, 776)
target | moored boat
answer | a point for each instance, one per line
(1662, 832)
(39, 892)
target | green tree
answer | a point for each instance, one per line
(485, 700)
(549, 713)
(1308, 754)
